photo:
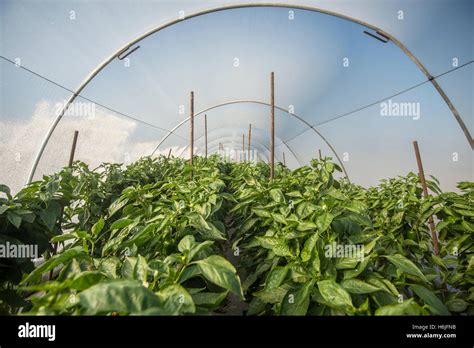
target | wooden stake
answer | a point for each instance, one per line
(169, 152)
(320, 155)
(250, 138)
(191, 130)
(272, 125)
(425, 193)
(73, 148)
(284, 160)
(205, 133)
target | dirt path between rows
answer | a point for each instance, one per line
(235, 306)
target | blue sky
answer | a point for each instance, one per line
(305, 53)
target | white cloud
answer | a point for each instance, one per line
(102, 138)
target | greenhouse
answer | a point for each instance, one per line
(216, 158)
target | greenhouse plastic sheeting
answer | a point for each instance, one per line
(327, 72)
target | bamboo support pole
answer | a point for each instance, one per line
(191, 129)
(205, 134)
(272, 125)
(284, 160)
(73, 148)
(250, 139)
(425, 193)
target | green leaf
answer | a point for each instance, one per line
(277, 245)
(347, 262)
(141, 269)
(219, 271)
(186, 243)
(121, 223)
(352, 273)
(248, 225)
(117, 205)
(6, 190)
(14, 219)
(128, 268)
(323, 221)
(297, 302)
(408, 307)
(430, 299)
(176, 300)
(56, 260)
(382, 284)
(209, 299)
(189, 272)
(86, 279)
(356, 286)
(405, 265)
(345, 225)
(123, 296)
(279, 218)
(206, 229)
(261, 212)
(457, 305)
(109, 266)
(335, 294)
(98, 226)
(277, 195)
(64, 237)
(306, 226)
(50, 215)
(294, 194)
(275, 296)
(198, 248)
(308, 248)
(275, 277)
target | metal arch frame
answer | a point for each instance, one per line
(238, 146)
(124, 48)
(258, 142)
(214, 149)
(266, 148)
(260, 103)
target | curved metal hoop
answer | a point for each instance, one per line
(261, 144)
(211, 148)
(124, 48)
(299, 118)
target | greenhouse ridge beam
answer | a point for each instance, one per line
(127, 46)
(260, 103)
